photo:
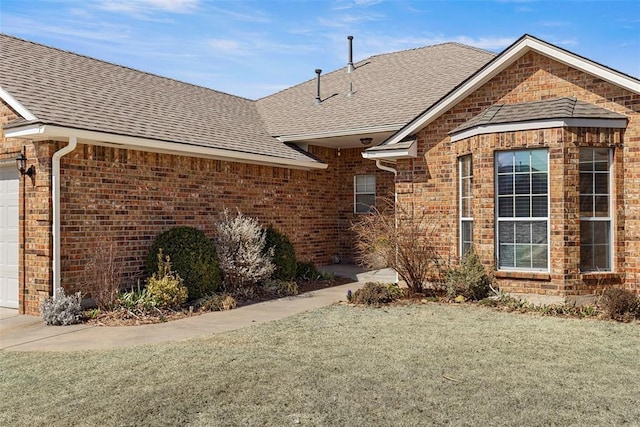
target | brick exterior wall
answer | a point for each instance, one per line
(128, 197)
(429, 182)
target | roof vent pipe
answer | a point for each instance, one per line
(318, 99)
(350, 67)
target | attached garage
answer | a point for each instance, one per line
(9, 184)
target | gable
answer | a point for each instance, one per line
(525, 72)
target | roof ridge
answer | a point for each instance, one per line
(121, 66)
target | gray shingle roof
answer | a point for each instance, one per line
(389, 89)
(558, 108)
(71, 90)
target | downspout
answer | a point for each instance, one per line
(55, 193)
(380, 166)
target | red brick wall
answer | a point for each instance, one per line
(129, 197)
(430, 180)
(35, 244)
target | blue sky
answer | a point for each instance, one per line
(255, 48)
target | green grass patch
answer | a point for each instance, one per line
(401, 365)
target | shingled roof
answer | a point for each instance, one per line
(557, 108)
(388, 90)
(75, 91)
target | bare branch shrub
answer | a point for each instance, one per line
(402, 238)
(241, 251)
(105, 273)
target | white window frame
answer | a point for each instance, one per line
(515, 219)
(369, 189)
(461, 218)
(608, 218)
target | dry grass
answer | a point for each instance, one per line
(406, 365)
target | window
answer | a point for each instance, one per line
(364, 193)
(522, 193)
(465, 168)
(595, 212)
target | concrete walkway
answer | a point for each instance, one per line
(29, 333)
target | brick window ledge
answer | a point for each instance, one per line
(528, 275)
(602, 275)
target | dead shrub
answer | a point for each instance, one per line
(105, 274)
(402, 238)
(376, 294)
(619, 304)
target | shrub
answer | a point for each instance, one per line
(241, 253)
(376, 294)
(136, 301)
(282, 288)
(105, 274)
(401, 237)
(620, 304)
(165, 286)
(469, 280)
(62, 310)
(219, 303)
(193, 257)
(284, 254)
(307, 271)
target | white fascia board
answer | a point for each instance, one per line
(334, 134)
(504, 60)
(17, 106)
(393, 154)
(541, 124)
(145, 144)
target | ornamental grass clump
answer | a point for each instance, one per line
(62, 310)
(244, 261)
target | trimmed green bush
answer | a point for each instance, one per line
(284, 254)
(193, 257)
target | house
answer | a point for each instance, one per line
(531, 156)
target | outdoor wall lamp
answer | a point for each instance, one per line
(21, 164)
(366, 141)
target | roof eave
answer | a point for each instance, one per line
(519, 48)
(392, 153)
(538, 124)
(340, 133)
(16, 105)
(40, 131)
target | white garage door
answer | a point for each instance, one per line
(9, 236)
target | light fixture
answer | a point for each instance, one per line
(366, 141)
(21, 164)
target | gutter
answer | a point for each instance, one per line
(45, 131)
(55, 196)
(380, 166)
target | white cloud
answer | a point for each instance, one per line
(141, 7)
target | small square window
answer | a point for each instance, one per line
(364, 193)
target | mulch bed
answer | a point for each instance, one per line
(128, 318)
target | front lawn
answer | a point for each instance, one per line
(345, 366)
